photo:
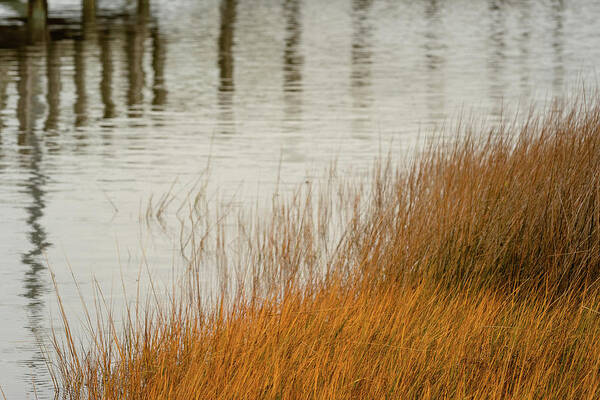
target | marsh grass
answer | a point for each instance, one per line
(473, 273)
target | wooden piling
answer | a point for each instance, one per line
(37, 20)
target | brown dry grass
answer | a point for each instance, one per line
(471, 274)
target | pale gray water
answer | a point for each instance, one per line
(110, 111)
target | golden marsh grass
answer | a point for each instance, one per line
(471, 274)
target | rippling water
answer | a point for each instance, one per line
(115, 104)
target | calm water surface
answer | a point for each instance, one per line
(115, 106)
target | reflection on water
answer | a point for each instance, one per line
(29, 112)
(80, 63)
(3, 98)
(106, 60)
(226, 32)
(292, 65)
(134, 48)
(361, 54)
(29, 88)
(497, 58)
(104, 103)
(524, 46)
(53, 62)
(159, 57)
(434, 60)
(39, 49)
(88, 13)
(225, 62)
(558, 10)
(29, 107)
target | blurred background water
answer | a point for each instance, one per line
(120, 98)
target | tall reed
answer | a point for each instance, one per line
(471, 274)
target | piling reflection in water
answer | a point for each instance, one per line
(524, 39)
(134, 48)
(159, 57)
(83, 50)
(435, 58)
(53, 62)
(106, 82)
(29, 106)
(497, 58)
(225, 63)
(88, 12)
(30, 111)
(80, 63)
(361, 60)
(3, 96)
(91, 35)
(292, 65)
(558, 11)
